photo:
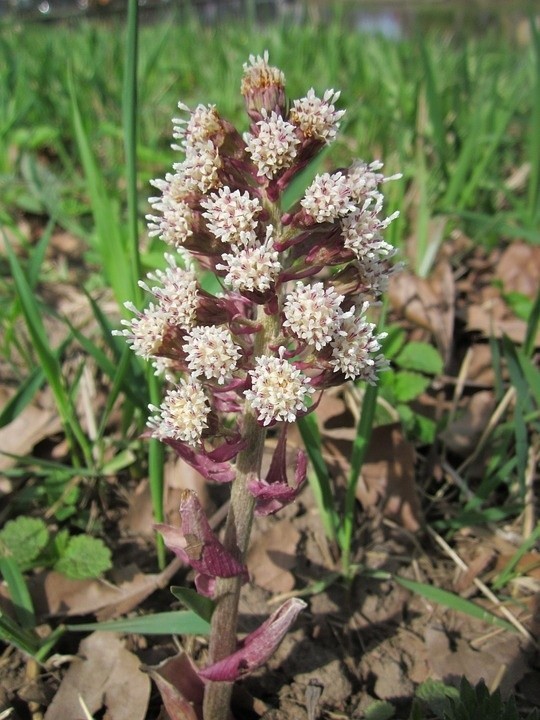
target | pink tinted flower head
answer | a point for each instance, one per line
(263, 86)
(328, 198)
(274, 147)
(317, 118)
(178, 295)
(203, 124)
(145, 332)
(201, 167)
(313, 313)
(365, 178)
(182, 415)
(279, 391)
(210, 351)
(362, 231)
(354, 353)
(231, 216)
(252, 269)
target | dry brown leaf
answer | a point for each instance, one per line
(388, 477)
(428, 303)
(450, 660)
(528, 564)
(30, 427)
(493, 318)
(480, 368)
(105, 675)
(55, 594)
(519, 269)
(272, 555)
(463, 434)
(178, 475)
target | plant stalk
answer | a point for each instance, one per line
(217, 696)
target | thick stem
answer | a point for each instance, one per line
(223, 642)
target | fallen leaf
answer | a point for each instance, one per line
(449, 661)
(388, 478)
(428, 303)
(30, 427)
(519, 269)
(54, 594)
(272, 555)
(493, 318)
(462, 435)
(105, 675)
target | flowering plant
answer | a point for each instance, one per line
(289, 322)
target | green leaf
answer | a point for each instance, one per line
(407, 385)
(84, 557)
(24, 395)
(202, 606)
(23, 539)
(453, 601)
(393, 342)
(520, 304)
(435, 694)
(14, 634)
(180, 622)
(421, 357)
(319, 480)
(379, 710)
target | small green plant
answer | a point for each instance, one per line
(434, 700)
(437, 700)
(29, 543)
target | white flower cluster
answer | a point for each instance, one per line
(252, 269)
(178, 295)
(174, 224)
(328, 198)
(182, 415)
(278, 389)
(210, 351)
(317, 118)
(145, 332)
(353, 351)
(313, 313)
(231, 216)
(274, 147)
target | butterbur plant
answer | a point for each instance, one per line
(289, 321)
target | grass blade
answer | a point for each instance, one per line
(18, 592)
(47, 357)
(452, 601)
(180, 622)
(360, 446)
(320, 485)
(22, 398)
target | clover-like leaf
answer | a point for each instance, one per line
(84, 557)
(421, 357)
(23, 539)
